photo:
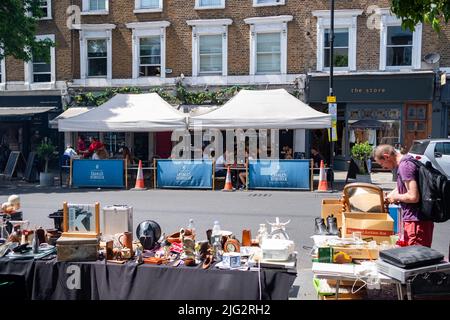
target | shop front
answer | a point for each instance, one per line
(379, 108)
(24, 121)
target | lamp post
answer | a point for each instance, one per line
(332, 100)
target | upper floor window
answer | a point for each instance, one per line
(150, 56)
(149, 48)
(95, 6)
(399, 48)
(2, 71)
(209, 4)
(210, 46)
(40, 69)
(340, 57)
(268, 44)
(143, 6)
(263, 3)
(345, 36)
(268, 53)
(46, 7)
(96, 50)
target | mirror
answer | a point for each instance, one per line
(363, 197)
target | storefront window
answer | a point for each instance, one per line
(113, 142)
(375, 125)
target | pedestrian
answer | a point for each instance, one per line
(69, 153)
(416, 231)
(316, 156)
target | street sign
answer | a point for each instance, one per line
(331, 99)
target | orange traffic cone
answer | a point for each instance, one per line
(139, 178)
(323, 184)
(228, 184)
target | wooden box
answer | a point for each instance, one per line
(77, 249)
(373, 226)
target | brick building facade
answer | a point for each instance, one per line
(223, 42)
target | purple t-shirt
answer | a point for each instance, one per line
(408, 171)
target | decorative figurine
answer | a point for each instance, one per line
(188, 254)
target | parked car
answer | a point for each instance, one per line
(437, 151)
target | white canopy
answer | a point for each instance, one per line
(128, 113)
(263, 109)
(69, 113)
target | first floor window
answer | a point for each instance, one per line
(97, 57)
(42, 71)
(210, 51)
(150, 56)
(268, 53)
(1, 72)
(399, 46)
(97, 5)
(340, 58)
(149, 4)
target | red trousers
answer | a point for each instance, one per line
(418, 233)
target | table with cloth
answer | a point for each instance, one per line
(49, 279)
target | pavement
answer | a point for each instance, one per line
(235, 211)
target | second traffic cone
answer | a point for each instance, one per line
(323, 183)
(139, 178)
(228, 184)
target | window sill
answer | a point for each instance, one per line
(45, 18)
(94, 13)
(148, 10)
(42, 85)
(256, 5)
(209, 8)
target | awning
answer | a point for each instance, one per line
(71, 112)
(23, 111)
(367, 124)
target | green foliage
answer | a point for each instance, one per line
(46, 151)
(433, 12)
(18, 30)
(362, 152)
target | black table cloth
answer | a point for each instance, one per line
(97, 280)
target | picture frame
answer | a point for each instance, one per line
(81, 220)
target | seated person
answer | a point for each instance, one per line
(288, 155)
(243, 174)
(126, 154)
(220, 170)
(317, 157)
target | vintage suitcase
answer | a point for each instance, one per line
(411, 257)
(116, 219)
(77, 249)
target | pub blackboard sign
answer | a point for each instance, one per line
(11, 165)
(31, 168)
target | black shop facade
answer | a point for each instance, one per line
(380, 108)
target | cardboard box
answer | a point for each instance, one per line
(332, 207)
(363, 253)
(373, 226)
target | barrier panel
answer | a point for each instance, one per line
(98, 173)
(189, 174)
(280, 174)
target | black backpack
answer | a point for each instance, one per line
(434, 188)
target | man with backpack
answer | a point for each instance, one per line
(417, 226)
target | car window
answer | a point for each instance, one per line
(443, 148)
(419, 147)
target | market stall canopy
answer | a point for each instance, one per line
(69, 113)
(128, 113)
(263, 109)
(367, 124)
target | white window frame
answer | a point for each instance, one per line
(3, 72)
(274, 3)
(87, 11)
(138, 8)
(209, 27)
(95, 32)
(390, 20)
(344, 19)
(29, 67)
(273, 24)
(143, 30)
(199, 7)
(49, 10)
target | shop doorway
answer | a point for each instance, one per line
(417, 123)
(140, 145)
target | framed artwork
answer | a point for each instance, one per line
(81, 220)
